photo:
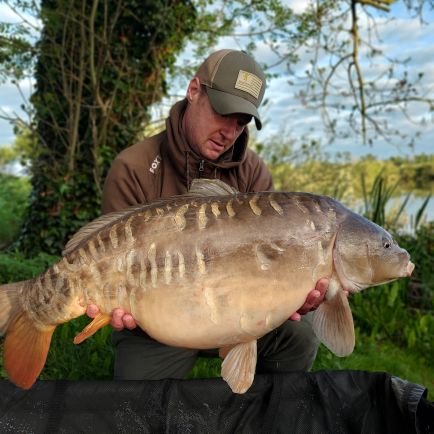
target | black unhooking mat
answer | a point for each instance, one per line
(297, 402)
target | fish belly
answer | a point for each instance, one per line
(219, 310)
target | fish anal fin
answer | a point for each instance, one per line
(333, 324)
(101, 320)
(239, 365)
(25, 350)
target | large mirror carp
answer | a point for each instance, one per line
(212, 269)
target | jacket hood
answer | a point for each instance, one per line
(186, 159)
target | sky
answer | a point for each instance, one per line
(286, 118)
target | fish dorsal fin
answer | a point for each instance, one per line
(95, 225)
(210, 187)
(332, 321)
(199, 188)
(239, 365)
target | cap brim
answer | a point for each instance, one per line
(225, 104)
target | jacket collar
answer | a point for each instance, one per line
(186, 161)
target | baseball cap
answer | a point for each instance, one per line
(234, 82)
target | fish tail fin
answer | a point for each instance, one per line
(25, 350)
(26, 345)
(9, 304)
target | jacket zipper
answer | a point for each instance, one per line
(201, 168)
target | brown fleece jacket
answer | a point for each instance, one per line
(165, 165)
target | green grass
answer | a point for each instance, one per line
(369, 355)
(206, 367)
(14, 194)
(92, 359)
(377, 356)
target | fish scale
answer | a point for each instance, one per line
(211, 269)
(156, 267)
(133, 235)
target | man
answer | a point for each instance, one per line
(206, 136)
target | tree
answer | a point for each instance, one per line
(348, 75)
(100, 65)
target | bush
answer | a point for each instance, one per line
(14, 192)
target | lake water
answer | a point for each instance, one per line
(409, 214)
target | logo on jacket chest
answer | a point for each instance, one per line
(155, 164)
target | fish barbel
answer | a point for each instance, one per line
(212, 269)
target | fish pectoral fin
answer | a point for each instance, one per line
(25, 350)
(239, 365)
(333, 324)
(101, 320)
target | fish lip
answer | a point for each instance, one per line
(409, 269)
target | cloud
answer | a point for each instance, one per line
(401, 37)
(298, 6)
(11, 100)
(10, 16)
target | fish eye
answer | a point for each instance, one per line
(387, 244)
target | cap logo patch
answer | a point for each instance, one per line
(249, 83)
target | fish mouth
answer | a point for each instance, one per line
(409, 269)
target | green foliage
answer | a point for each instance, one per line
(376, 200)
(21, 151)
(14, 267)
(99, 67)
(92, 359)
(206, 367)
(380, 356)
(421, 248)
(16, 50)
(14, 194)
(7, 156)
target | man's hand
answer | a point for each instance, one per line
(313, 299)
(119, 321)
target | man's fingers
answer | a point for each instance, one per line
(322, 285)
(295, 317)
(116, 321)
(92, 310)
(119, 320)
(129, 321)
(313, 299)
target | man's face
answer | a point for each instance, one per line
(209, 133)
